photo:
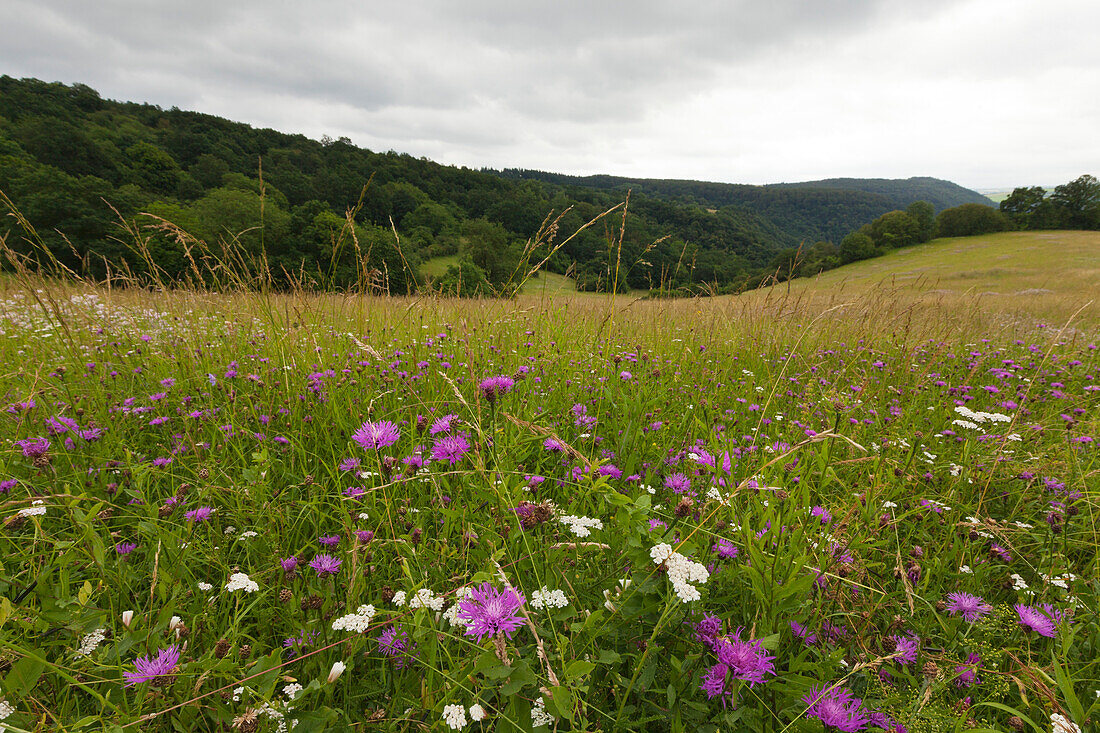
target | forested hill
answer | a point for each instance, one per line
(902, 192)
(806, 212)
(73, 163)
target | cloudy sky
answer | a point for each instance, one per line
(988, 93)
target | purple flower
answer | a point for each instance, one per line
(289, 564)
(376, 435)
(553, 444)
(34, 447)
(836, 707)
(199, 515)
(364, 535)
(1037, 620)
(394, 643)
(125, 548)
(325, 565)
(442, 425)
(350, 464)
(803, 633)
(8, 484)
(678, 482)
(330, 541)
(746, 660)
(450, 448)
(967, 674)
(906, 648)
(494, 387)
(822, 514)
(150, 670)
(489, 612)
(970, 606)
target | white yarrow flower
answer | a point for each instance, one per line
(455, 717)
(240, 581)
(357, 622)
(1061, 724)
(477, 713)
(90, 642)
(546, 598)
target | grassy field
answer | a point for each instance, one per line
(542, 283)
(866, 501)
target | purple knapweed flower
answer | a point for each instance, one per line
(394, 643)
(970, 606)
(199, 515)
(678, 483)
(836, 707)
(1037, 620)
(151, 670)
(376, 435)
(808, 638)
(906, 648)
(442, 425)
(489, 612)
(450, 448)
(967, 674)
(494, 387)
(325, 565)
(745, 660)
(330, 540)
(822, 514)
(34, 447)
(125, 548)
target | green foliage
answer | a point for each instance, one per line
(970, 219)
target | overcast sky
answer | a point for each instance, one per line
(987, 93)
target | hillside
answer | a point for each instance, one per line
(805, 212)
(67, 156)
(1048, 273)
(901, 192)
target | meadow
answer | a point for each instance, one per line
(856, 502)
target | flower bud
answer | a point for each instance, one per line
(337, 670)
(127, 617)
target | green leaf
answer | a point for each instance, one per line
(578, 668)
(23, 676)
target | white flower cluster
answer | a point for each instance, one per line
(454, 716)
(399, 598)
(205, 586)
(36, 509)
(539, 716)
(240, 581)
(981, 417)
(90, 642)
(291, 690)
(451, 614)
(581, 526)
(623, 584)
(966, 424)
(682, 572)
(424, 598)
(1061, 724)
(357, 622)
(1062, 581)
(546, 598)
(1018, 582)
(249, 534)
(6, 708)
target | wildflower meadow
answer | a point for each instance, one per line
(321, 512)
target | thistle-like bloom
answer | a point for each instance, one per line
(451, 448)
(34, 447)
(1034, 619)
(442, 425)
(744, 660)
(494, 387)
(836, 708)
(376, 435)
(152, 670)
(329, 541)
(907, 648)
(970, 606)
(199, 515)
(489, 612)
(394, 643)
(967, 674)
(325, 565)
(125, 548)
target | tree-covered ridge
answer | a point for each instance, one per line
(67, 156)
(901, 192)
(804, 212)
